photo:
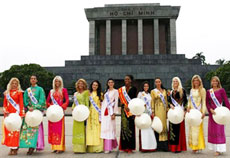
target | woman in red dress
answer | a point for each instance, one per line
(11, 138)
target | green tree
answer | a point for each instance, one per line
(223, 72)
(23, 73)
(220, 62)
(201, 57)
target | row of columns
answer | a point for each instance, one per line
(172, 34)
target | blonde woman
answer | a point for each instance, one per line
(216, 134)
(197, 100)
(81, 96)
(56, 130)
(177, 139)
(14, 92)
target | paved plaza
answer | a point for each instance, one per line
(115, 154)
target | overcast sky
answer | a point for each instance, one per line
(48, 32)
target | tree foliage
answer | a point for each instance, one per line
(201, 57)
(23, 73)
(223, 72)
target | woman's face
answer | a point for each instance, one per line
(128, 80)
(14, 85)
(57, 83)
(175, 83)
(214, 83)
(196, 82)
(33, 80)
(146, 87)
(110, 83)
(158, 83)
(94, 86)
(80, 85)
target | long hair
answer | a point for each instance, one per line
(180, 87)
(98, 89)
(107, 86)
(201, 83)
(9, 85)
(162, 87)
(143, 84)
(84, 84)
(59, 78)
(218, 80)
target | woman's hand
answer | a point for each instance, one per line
(171, 106)
(113, 117)
(30, 109)
(127, 109)
(203, 115)
(188, 109)
(213, 112)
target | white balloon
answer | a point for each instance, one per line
(222, 115)
(54, 113)
(13, 122)
(176, 115)
(34, 118)
(136, 106)
(80, 113)
(157, 124)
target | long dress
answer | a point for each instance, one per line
(33, 137)
(159, 109)
(177, 139)
(147, 139)
(128, 135)
(216, 133)
(196, 133)
(79, 129)
(108, 126)
(93, 136)
(11, 139)
(56, 130)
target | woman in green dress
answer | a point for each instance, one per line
(33, 137)
(79, 130)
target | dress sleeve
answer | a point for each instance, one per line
(208, 98)
(86, 96)
(189, 101)
(153, 102)
(116, 102)
(203, 100)
(166, 101)
(26, 99)
(225, 98)
(73, 105)
(5, 107)
(42, 100)
(66, 96)
(185, 99)
(139, 95)
(21, 105)
(48, 100)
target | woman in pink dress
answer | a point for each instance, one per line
(108, 122)
(216, 134)
(56, 133)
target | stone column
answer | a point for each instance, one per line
(108, 37)
(156, 36)
(140, 36)
(92, 37)
(173, 36)
(124, 36)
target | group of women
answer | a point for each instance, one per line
(98, 132)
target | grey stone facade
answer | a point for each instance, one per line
(142, 67)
